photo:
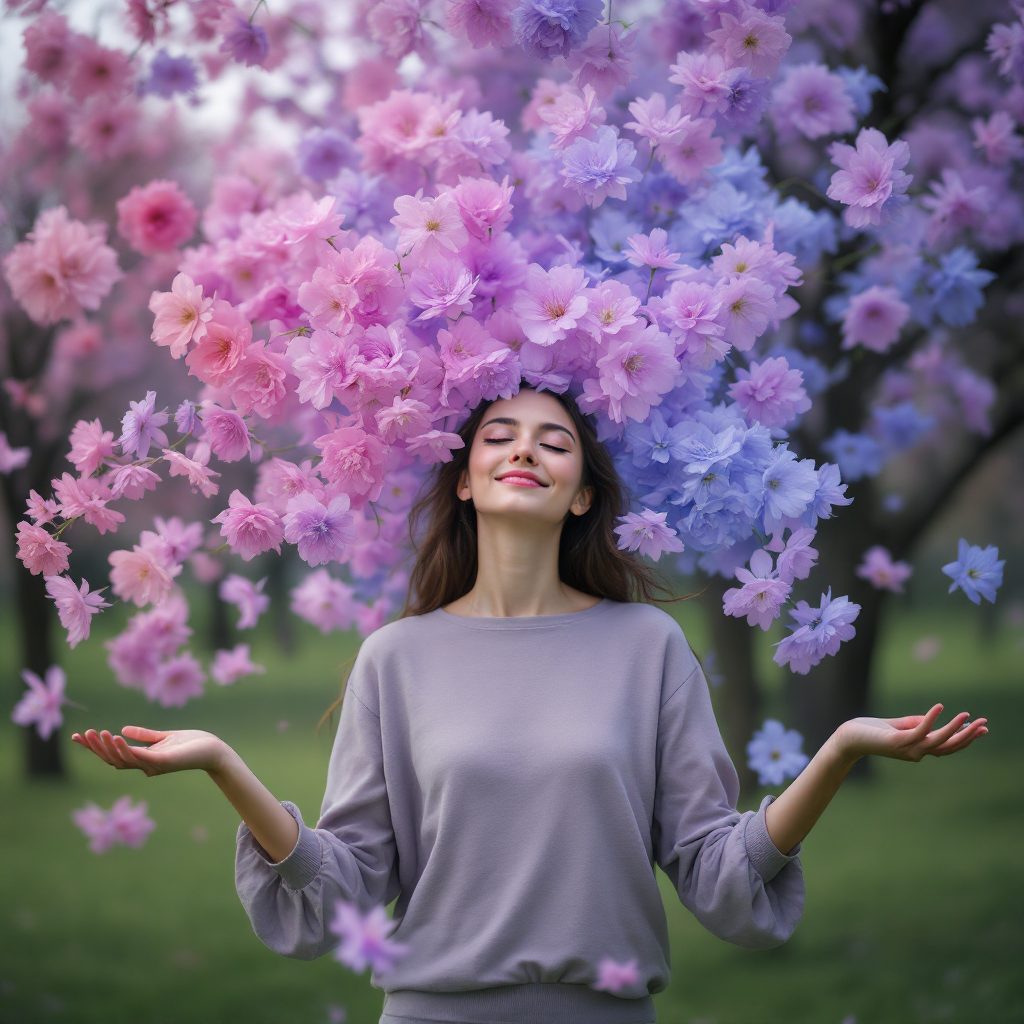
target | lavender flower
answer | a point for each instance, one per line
(870, 180)
(600, 167)
(819, 632)
(364, 939)
(246, 42)
(170, 75)
(141, 425)
(550, 28)
(323, 153)
(978, 573)
(775, 753)
(321, 533)
(647, 532)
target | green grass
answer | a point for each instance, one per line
(915, 878)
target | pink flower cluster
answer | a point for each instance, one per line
(125, 824)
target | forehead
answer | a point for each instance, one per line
(531, 407)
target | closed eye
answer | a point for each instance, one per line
(502, 440)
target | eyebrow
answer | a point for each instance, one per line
(509, 421)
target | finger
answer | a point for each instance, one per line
(964, 738)
(107, 739)
(127, 753)
(937, 738)
(96, 746)
(907, 722)
(136, 732)
(927, 721)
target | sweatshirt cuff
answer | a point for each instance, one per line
(302, 865)
(767, 859)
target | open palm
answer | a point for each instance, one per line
(910, 738)
(174, 751)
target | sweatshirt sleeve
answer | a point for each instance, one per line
(723, 864)
(350, 855)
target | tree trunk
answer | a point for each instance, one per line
(737, 699)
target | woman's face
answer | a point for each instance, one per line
(526, 460)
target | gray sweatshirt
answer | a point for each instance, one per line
(513, 782)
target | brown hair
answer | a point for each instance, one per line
(588, 558)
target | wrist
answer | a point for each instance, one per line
(223, 761)
(841, 752)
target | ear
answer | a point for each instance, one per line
(583, 501)
(462, 491)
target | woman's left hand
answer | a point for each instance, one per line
(910, 738)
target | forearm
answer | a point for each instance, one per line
(790, 817)
(272, 826)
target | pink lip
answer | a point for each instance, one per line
(519, 481)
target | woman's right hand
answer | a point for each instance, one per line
(177, 750)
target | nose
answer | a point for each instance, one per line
(523, 451)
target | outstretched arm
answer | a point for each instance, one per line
(184, 749)
(793, 814)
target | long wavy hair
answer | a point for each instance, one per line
(443, 530)
(443, 533)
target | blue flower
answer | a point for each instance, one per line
(323, 153)
(956, 286)
(609, 231)
(654, 440)
(169, 75)
(804, 232)
(775, 753)
(860, 86)
(551, 28)
(789, 488)
(978, 573)
(746, 102)
(857, 454)
(818, 632)
(900, 426)
(361, 200)
(743, 171)
(831, 491)
(600, 167)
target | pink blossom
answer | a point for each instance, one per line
(280, 481)
(396, 25)
(874, 318)
(181, 315)
(482, 22)
(140, 576)
(41, 704)
(90, 445)
(364, 941)
(484, 205)
(95, 823)
(882, 572)
(798, 558)
(180, 540)
(429, 225)
(140, 427)
(41, 510)
(149, 637)
(174, 682)
(647, 532)
(98, 71)
(812, 101)
(404, 417)
(246, 596)
(369, 618)
(353, 464)
(998, 138)
(130, 822)
(324, 601)
(747, 307)
(651, 251)
(49, 47)
(258, 383)
(690, 311)
(229, 666)
(759, 41)
(249, 529)
(434, 446)
(870, 179)
(441, 287)
(694, 150)
(654, 122)
(637, 369)
(320, 532)
(87, 498)
(157, 217)
(762, 595)
(62, 267)
(218, 351)
(481, 139)
(955, 207)
(132, 481)
(75, 606)
(106, 131)
(604, 61)
(14, 458)
(206, 568)
(573, 115)
(226, 433)
(200, 476)
(545, 92)
(610, 307)
(614, 977)
(552, 302)
(323, 364)
(760, 260)
(770, 392)
(475, 364)
(707, 83)
(40, 551)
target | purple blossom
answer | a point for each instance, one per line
(819, 632)
(874, 318)
(955, 208)
(762, 595)
(321, 533)
(247, 596)
(798, 557)
(812, 101)
(882, 572)
(647, 532)
(186, 420)
(870, 180)
(775, 753)
(170, 75)
(770, 392)
(977, 572)
(41, 704)
(550, 28)
(1006, 45)
(323, 152)
(364, 939)
(246, 41)
(140, 427)
(600, 167)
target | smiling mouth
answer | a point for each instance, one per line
(520, 481)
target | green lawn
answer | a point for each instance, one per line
(915, 879)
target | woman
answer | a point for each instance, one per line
(516, 753)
